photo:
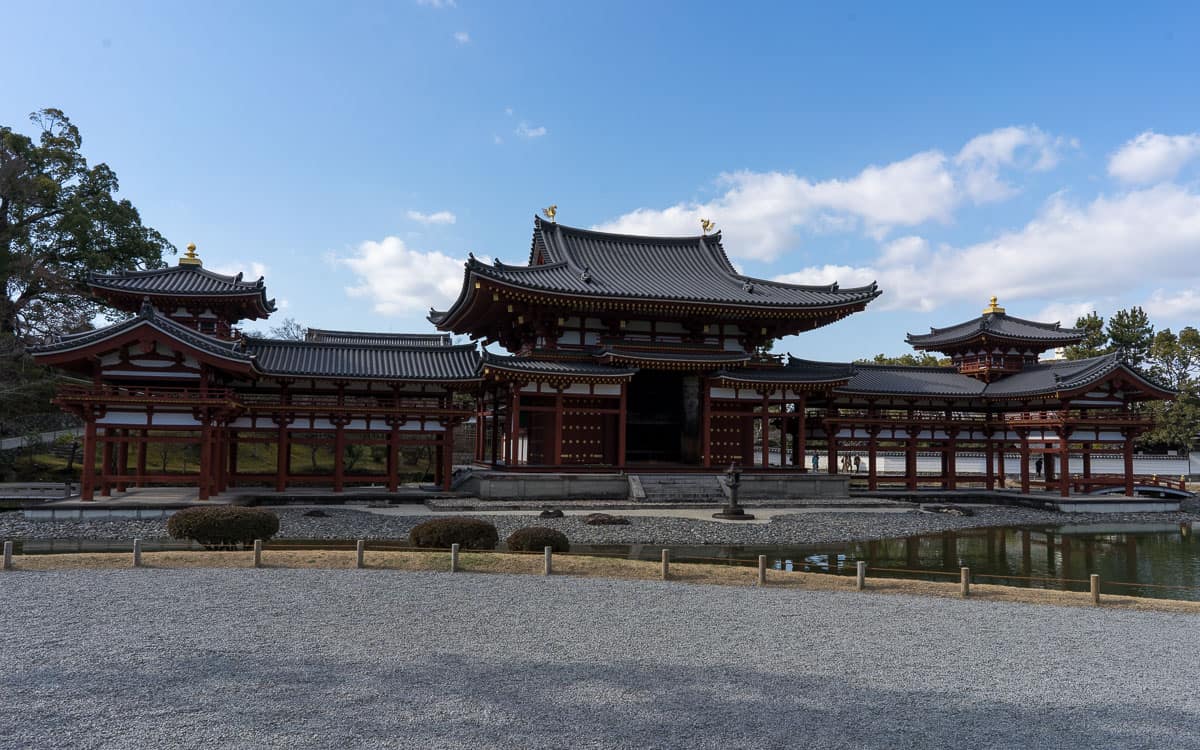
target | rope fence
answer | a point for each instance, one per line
(360, 546)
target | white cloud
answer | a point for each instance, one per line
(1183, 304)
(764, 210)
(1065, 312)
(250, 271)
(761, 212)
(440, 217)
(462, 37)
(508, 111)
(525, 130)
(398, 279)
(1153, 157)
(497, 139)
(1025, 148)
(439, 4)
(1068, 251)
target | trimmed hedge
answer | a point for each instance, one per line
(536, 539)
(223, 526)
(467, 533)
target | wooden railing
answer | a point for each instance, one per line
(118, 394)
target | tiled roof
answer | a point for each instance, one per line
(997, 326)
(795, 371)
(531, 365)
(367, 338)
(666, 355)
(231, 350)
(581, 262)
(309, 359)
(915, 381)
(181, 281)
(1063, 375)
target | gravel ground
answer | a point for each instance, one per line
(800, 528)
(383, 659)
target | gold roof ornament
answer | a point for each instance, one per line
(707, 226)
(993, 308)
(190, 258)
(551, 211)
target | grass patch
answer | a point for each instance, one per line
(584, 567)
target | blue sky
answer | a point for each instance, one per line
(354, 153)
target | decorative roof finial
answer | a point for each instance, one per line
(190, 258)
(707, 226)
(551, 211)
(993, 308)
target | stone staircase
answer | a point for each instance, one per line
(680, 488)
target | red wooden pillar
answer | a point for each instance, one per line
(1025, 463)
(143, 437)
(622, 417)
(1000, 470)
(393, 462)
(557, 438)
(1087, 461)
(514, 448)
(231, 475)
(766, 431)
(496, 426)
(872, 466)
(339, 454)
(480, 422)
(87, 477)
(705, 424)
(122, 458)
(910, 460)
(989, 474)
(106, 463)
(283, 459)
(1128, 456)
(1064, 452)
(204, 482)
(802, 433)
(447, 457)
(951, 481)
(831, 452)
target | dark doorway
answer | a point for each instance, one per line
(654, 431)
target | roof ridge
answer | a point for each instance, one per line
(375, 347)
(651, 237)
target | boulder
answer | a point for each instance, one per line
(551, 513)
(604, 519)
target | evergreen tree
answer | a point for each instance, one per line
(1095, 339)
(1131, 332)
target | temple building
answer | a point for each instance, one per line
(601, 353)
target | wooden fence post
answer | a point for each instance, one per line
(549, 560)
(1094, 585)
(762, 570)
(666, 564)
(964, 581)
(860, 580)
(453, 558)
(8, 555)
(258, 553)
(137, 553)
(360, 549)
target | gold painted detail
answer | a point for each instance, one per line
(707, 226)
(993, 308)
(551, 211)
(190, 258)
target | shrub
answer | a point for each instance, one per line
(468, 533)
(536, 539)
(223, 526)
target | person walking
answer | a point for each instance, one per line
(1037, 466)
(857, 463)
(816, 461)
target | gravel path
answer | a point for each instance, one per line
(382, 659)
(799, 528)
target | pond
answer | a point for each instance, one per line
(1155, 560)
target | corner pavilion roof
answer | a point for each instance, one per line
(995, 325)
(357, 361)
(184, 281)
(575, 262)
